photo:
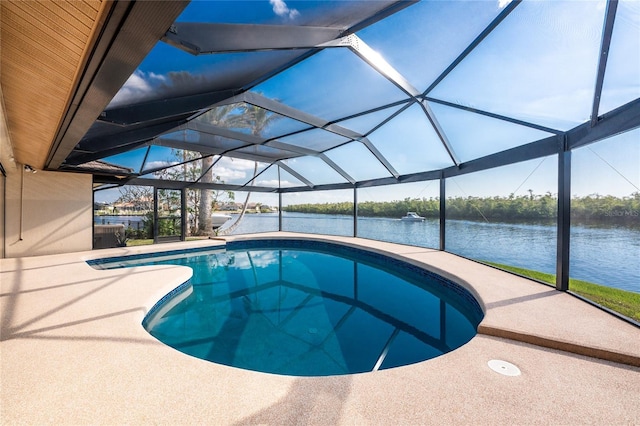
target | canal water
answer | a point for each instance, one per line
(607, 256)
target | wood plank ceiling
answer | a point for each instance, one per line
(43, 48)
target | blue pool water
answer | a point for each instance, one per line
(308, 309)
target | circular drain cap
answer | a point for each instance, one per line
(504, 367)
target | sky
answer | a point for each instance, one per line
(539, 66)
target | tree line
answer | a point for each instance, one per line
(588, 209)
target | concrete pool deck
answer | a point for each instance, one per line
(73, 351)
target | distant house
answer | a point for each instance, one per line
(229, 207)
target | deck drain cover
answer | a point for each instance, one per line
(504, 367)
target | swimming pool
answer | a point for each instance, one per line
(307, 308)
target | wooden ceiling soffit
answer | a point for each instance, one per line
(43, 45)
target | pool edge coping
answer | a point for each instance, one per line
(485, 327)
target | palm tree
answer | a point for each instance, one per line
(258, 119)
(221, 117)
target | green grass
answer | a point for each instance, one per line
(133, 243)
(624, 302)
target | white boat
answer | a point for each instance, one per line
(218, 219)
(412, 217)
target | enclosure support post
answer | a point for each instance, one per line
(21, 200)
(183, 214)
(155, 215)
(442, 212)
(355, 211)
(564, 218)
(4, 212)
(93, 219)
(280, 211)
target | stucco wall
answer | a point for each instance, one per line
(2, 245)
(47, 212)
(57, 213)
(6, 159)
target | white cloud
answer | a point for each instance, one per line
(157, 164)
(236, 163)
(138, 86)
(135, 86)
(228, 175)
(259, 259)
(160, 77)
(503, 3)
(281, 9)
(137, 81)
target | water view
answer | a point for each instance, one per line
(607, 256)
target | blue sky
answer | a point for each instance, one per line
(539, 65)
